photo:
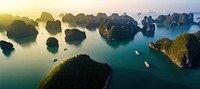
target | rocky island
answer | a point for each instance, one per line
(45, 16)
(74, 35)
(53, 26)
(52, 42)
(183, 51)
(117, 27)
(147, 23)
(19, 29)
(79, 72)
(88, 21)
(175, 19)
(6, 46)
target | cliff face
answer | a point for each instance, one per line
(198, 35)
(184, 50)
(147, 23)
(175, 19)
(80, 72)
(118, 27)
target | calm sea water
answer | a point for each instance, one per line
(32, 61)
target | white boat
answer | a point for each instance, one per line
(146, 64)
(137, 53)
(187, 61)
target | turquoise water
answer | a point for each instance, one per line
(31, 61)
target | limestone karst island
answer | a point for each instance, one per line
(99, 44)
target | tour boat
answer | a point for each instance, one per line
(137, 53)
(146, 64)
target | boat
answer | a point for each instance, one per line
(139, 13)
(137, 53)
(146, 64)
(55, 60)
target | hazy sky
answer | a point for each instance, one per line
(94, 6)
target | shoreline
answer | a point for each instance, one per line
(163, 51)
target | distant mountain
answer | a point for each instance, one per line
(175, 19)
(45, 16)
(183, 51)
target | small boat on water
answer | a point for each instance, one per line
(146, 64)
(139, 13)
(55, 60)
(137, 53)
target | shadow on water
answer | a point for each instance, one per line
(149, 34)
(7, 53)
(91, 29)
(135, 79)
(117, 43)
(54, 31)
(76, 43)
(26, 42)
(177, 29)
(53, 50)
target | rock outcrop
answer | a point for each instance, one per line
(19, 29)
(45, 16)
(61, 15)
(117, 27)
(6, 46)
(175, 19)
(80, 72)
(183, 51)
(52, 42)
(74, 35)
(147, 23)
(89, 21)
(53, 26)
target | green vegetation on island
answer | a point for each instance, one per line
(45, 16)
(19, 29)
(118, 27)
(79, 72)
(183, 51)
(197, 34)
